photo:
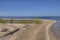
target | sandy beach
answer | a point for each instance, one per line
(41, 31)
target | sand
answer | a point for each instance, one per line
(29, 31)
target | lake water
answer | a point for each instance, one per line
(57, 28)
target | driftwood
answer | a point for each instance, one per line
(4, 30)
(10, 33)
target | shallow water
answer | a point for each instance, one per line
(56, 29)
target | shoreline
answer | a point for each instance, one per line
(47, 30)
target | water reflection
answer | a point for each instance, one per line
(56, 28)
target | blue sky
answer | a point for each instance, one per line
(29, 7)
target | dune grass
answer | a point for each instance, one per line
(37, 21)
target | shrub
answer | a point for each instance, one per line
(2, 21)
(37, 21)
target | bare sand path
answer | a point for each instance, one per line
(42, 33)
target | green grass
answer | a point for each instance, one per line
(37, 21)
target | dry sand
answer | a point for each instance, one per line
(31, 32)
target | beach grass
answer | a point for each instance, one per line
(37, 21)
